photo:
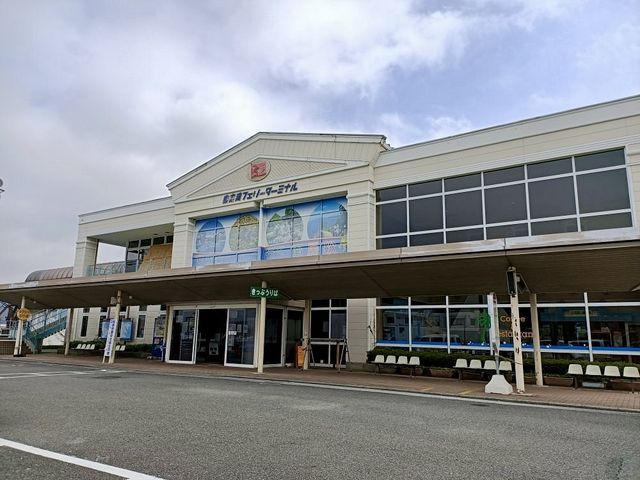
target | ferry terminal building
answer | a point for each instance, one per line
(378, 245)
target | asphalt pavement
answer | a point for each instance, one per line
(197, 427)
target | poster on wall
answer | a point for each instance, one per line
(311, 228)
(126, 329)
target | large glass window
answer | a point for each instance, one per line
(603, 191)
(392, 218)
(615, 326)
(562, 323)
(466, 328)
(429, 325)
(537, 199)
(425, 214)
(464, 209)
(84, 325)
(552, 198)
(393, 325)
(505, 204)
(142, 320)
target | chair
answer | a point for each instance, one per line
(575, 370)
(489, 365)
(593, 371)
(402, 361)
(631, 373)
(391, 360)
(379, 360)
(475, 365)
(611, 371)
(92, 346)
(505, 366)
(460, 366)
(461, 363)
(414, 362)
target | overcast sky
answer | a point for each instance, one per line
(104, 103)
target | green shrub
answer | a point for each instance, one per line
(139, 347)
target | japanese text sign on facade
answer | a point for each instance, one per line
(259, 292)
(259, 193)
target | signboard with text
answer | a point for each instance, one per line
(108, 348)
(259, 292)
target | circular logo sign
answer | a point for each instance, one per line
(259, 169)
(23, 314)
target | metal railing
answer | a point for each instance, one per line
(110, 268)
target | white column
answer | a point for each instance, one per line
(517, 341)
(535, 328)
(86, 254)
(306, 332)
(261, 327)
(17, 349)
(67, 330)
(112, 357)
(588, 320)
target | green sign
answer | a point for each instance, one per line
(259, 292)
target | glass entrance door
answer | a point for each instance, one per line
(273, 337)
(212, 328)
(241, 336)
(182, 334)
(294, 334)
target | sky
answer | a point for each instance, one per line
(103, 103)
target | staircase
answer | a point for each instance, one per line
(41, 325)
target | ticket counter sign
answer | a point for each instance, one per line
(259, 292)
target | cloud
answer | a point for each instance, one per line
(405, 131)
(104, 103)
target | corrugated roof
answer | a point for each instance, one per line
(51, 274)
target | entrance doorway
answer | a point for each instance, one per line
(273, 337)
(294, 334)
(212, 326)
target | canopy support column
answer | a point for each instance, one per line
(67, 330)
(535, 328)
(306, 333)
(113, 329)
(261, 327)
(17, 349)
(512, 284)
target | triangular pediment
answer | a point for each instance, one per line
(290, 156)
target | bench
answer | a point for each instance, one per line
(401, 361)
(85, 347)
(489, 367)
(593, 372)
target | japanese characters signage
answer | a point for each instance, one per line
(259, 292)
(259, 193)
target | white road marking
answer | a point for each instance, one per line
(100, 467)
(8, 376)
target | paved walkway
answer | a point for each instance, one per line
(565, 396)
